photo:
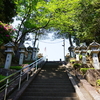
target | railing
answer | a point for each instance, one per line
(18, 76)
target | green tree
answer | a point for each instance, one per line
(7, 10)
(88, 20)
(32, 16)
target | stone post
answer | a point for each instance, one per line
(94, 47)
(34, 53)
(29, 53)
(83, 52)
(9, 52)
(22, 51)
(37, 50)
(76, 50)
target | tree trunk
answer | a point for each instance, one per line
(70, 41)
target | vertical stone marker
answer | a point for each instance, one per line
(22, 51)
(76, 50)
(83, 52)
(94, 47)
(9, 52)
(34, 53)
(29, 53)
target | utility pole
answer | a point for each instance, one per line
(64, 47)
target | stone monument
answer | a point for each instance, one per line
(94, 47)
(9, 52)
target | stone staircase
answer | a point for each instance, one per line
(52, 83)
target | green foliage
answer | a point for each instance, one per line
(16, 67)
(88, 20)
(98, 82)
(6, 32)
(84, 70)
(80, 18)
(76, 65)
(72, 61)
(80, 56)
(2, 77)
(7, 10)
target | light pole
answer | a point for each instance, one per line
(64, 47)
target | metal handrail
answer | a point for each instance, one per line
(19, 75)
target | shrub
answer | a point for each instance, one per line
(76, 65)
(6, 33)
(98, 82)
(80, 57)
(84, 70)
(2, 77)
(72, 61)
(16, 67)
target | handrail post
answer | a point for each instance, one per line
(27, 76)
(6, 89)
(20, 80)
(36, 65)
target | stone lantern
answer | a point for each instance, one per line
(76, 50)
(30, 53)
(9, 52)
(37, 50)
(94, 47)
(83, 49)
(34, 53)
(22, 52)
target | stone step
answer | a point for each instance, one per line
(47, 98)
(50, 90)
(47, 83)
(51, 86)
(52, 83)
(53, 94)
(54, 80)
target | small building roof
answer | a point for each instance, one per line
(9, 44)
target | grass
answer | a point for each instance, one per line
(98, 82)
(72, 61)
(14, 67)
(76, 65)
(84, 70)
(2, 77)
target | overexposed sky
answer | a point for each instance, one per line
(53, 50)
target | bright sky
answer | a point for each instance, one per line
(52, 49)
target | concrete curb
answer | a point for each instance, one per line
(79, 93)
(94, 94)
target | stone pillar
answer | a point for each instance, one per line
(83, 52)
(94, 47)
(37, 50)
(9, 52)
(34, 53)
(29, 53)
(22, 51)
(76, 50)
